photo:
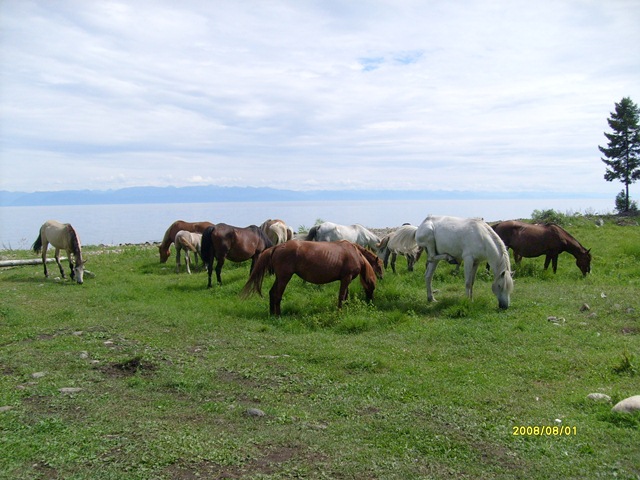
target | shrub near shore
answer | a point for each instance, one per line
(166, 372)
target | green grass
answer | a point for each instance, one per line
(399, 389)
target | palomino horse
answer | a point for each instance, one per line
(61, 236)
(223, 241)
(533, 240)
(189, 242)
(330, 232)
(277, 231)
(400, 242)
(470, 240)
(317, 263)
(170, 235)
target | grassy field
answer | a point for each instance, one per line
(180, 382)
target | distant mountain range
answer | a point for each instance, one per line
(208, 194)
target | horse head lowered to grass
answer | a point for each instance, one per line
(467, 240)
(61, 236)
(533, 240)
(314, 262)
(174, 228)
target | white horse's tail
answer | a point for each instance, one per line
(403, 240)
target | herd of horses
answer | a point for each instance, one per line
(331, 252)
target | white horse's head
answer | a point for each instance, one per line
(502, 288)
(78, 271)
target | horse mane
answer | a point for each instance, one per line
(371, 259)
(265, 238)
(74, 242)
(313, 233)
(166, 240)
(566, 236)
(504, 261)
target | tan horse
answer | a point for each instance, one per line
(170, 235)
(314, 262)
(189, 242)
(277, 231)
(63, 237)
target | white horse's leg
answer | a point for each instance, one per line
(187, 260)
(428, 276)
(470, 270)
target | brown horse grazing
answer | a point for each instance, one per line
(223, 241)
(170, 235)
(533, 240)
(314, 262)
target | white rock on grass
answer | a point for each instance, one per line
(70, 390)
(599, 397)
(628, 405)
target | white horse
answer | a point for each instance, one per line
(61, 236)
(277, 231)
(470, 240)
(189, 242)
(331, 232)
(400, 242)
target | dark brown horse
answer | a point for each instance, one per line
(533, 240)
(223, 241)
(170, 235)
(314, 262)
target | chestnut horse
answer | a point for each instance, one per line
(61, 236)
(533, 240)
(223, 241)
(314, 262)
(170, 235)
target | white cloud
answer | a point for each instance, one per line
(442, 95)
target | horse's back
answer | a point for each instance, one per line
(455, 236)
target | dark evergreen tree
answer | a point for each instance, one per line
(623, 150)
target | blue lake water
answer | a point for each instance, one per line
(116, 224)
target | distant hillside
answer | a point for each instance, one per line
(208, 194)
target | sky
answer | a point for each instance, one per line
(501, 95)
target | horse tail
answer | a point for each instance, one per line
(37, 245)
(313, 233)
(260, 269)
(206, 247)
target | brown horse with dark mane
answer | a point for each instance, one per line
(533, 240)
(170, 235)
(314, 262)
(222, 241)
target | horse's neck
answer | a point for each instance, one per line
(500, 261)
(573, 246)
(166, 240)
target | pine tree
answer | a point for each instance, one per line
(623, 150)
